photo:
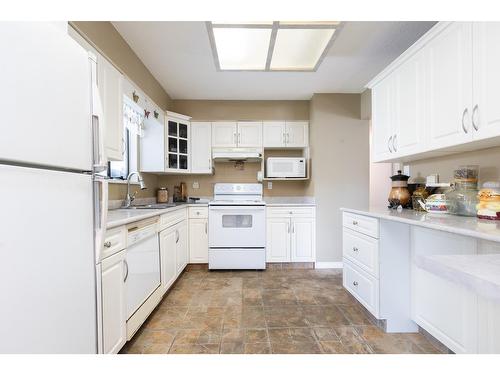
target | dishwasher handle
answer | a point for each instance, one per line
(138, 235)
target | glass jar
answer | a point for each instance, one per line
(418, 198)
(489, 201)
(462, 200)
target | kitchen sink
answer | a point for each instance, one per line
(158, 206)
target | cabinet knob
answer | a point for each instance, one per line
(355, 248)
(107, 244)
(354, 222)
(355, 283)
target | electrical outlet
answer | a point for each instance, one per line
(269, 185)
(196, 185)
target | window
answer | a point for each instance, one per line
(132, 129)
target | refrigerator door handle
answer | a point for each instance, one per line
(100, 162)
(101, 214)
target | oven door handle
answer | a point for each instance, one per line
(238, 208)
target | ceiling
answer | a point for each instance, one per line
(179, 55)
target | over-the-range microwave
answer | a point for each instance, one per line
(286, 167)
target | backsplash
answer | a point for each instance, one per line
(488, 161)
(229, 172)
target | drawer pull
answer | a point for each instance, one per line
(355, 248)
(355, 283)
(354, 222)
(197, 212)
(107, 244)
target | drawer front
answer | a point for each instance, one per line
(362, 250)
(172, 218)
(114, 241)
(291, 211)
(362, 286)
(362, 224)
(198, 212)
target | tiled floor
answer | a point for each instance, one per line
(272, 311)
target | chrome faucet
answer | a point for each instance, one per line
(130, 198)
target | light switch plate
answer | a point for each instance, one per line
(196, 185)
(269, 185)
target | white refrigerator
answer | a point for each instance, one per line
(52, 204)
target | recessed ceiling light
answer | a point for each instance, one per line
(299, 48)
(270, 46)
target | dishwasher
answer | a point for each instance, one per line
(142, 272)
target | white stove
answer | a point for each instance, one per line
(237, 227)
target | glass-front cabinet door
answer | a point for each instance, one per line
(177, 134)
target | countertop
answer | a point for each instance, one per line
(124, 216)
(117, 217)
(289, 201)
(467, 226)
(481, 273)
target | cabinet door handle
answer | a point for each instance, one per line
(394, 143)
(293, 228)
(355, 283)
(474, 111)
(206, 227)
(176, 236)
(126, 270)
(107, 244)
(389, 144)
(288, 227)
(234, 138)
(287, 138)
(463, 120)
(239, 138)
(284, 138)
(355, 249)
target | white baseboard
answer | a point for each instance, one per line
(328, 265)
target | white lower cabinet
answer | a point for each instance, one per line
(291, 234)
(168, 263)
(447, 310)
(488, 326)
(278, 240)
(182, 250)
(303, 240)
(198, 240)
(364, 287)
(114, 314)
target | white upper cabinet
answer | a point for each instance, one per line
(281, 134)
(441, 95)
(409, 115)
(109, 82)
(274, 133)
(486, 78)
(224, 134)
(250, 134)
(297, 134)
(382, 119)
(237, 134)
(201, 147)
(449, 80)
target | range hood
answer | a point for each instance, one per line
(237, 154)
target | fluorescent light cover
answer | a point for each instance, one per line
(299, 49)
(242, 48)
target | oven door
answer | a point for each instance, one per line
(237, 226)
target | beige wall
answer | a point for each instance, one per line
(238, 110)
(488, 161)
(340, 166)
(243, 109)
(104, 37)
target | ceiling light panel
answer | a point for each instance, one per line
(242, 48)
(299, 49)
